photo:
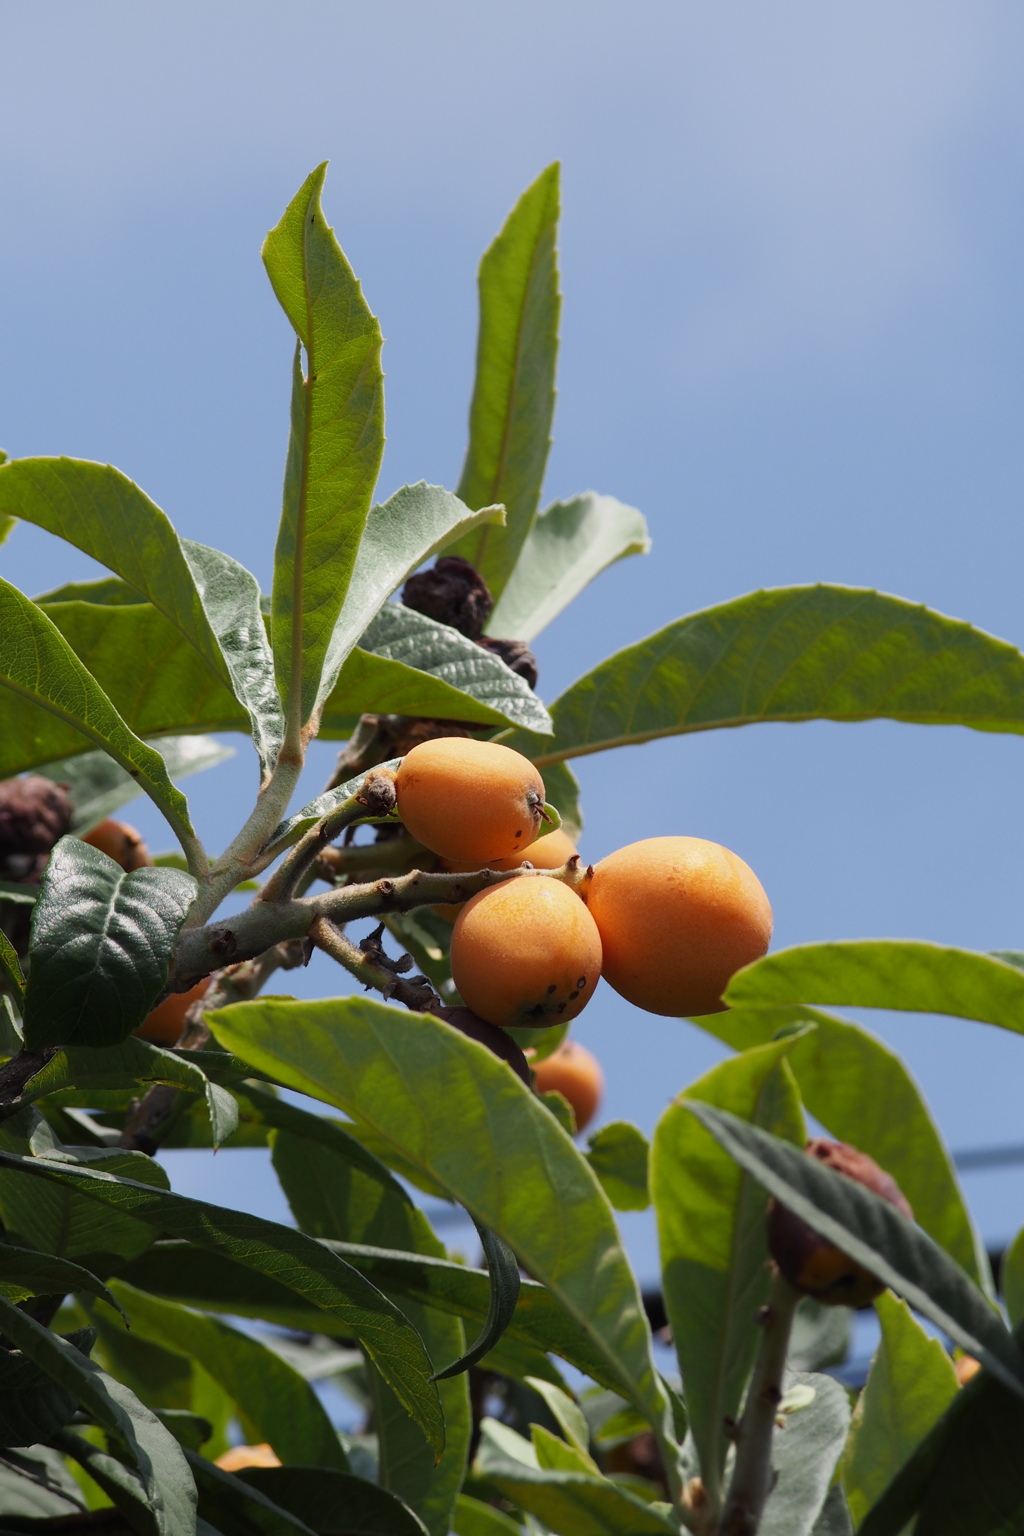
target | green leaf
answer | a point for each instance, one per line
(282, 1406)
(351, 1305)
(400, 534)
(455, 1110)
(910, 1385)
(795, 653)
(189, 1429)
(57, 1219)
(211, 599)
(336, 443)
(503, 1272)
(835, 1518)
(618, 1154)
(573, 1501)
(821, 1335)
(568, 1415)
(39, 667)
(218, 1284)
(25, 1273)
(36, 1485)
(98, 786)
(473, 1518)
(804, 1456)
(862, 1093)
(975, 1480)
(334, 1503)
(873, 1233)
(570, 543)
(150, 1448)
(337, 1191)
(1013, 1280)
(32, 1405)
(101, 946)
(904, 974)
(237, 1507)
(711, 1231)
(514, 392)
(12, 978)
(110, 591)
(122, 1486)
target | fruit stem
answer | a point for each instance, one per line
(752, 1475)
(373, 968)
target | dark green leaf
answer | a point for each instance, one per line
(282, 1407)
(452, 1108)
(24, 1273)
(862, 1093)
(211, 599)
(123, 1487)
(236, 1508)
(873, 1233)
(40, 668)
(447, 682)
(573, 1501)
(618, 1154)
(910, 1385)
(150, 1448)
(189, 1429)
(570, 543)
(12, 977)
(795, 653)
(334, 1503)
(400, 534)
(36, 1485)
(503, 1271)
(101, 946)
(18, 893)
(711, 1231)
(32, 1405)
(98, 786)
(401, 634)
(351, 1305)
(336, 443)
(514, 392)
(804, 1456)
(888, 973)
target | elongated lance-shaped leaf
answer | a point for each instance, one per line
(862, 1093)
(101, 946)
(336, 442)
(905, 974)
(280, 1404)
(400, 533)
(514, 392)
(804, 1457)
(237, 1506)
(872, 1233)
(349, 1302)
(619, 1155)
(25, 1273)
(711, 1232)
(12, 978)
(39, 666)
(151, 1448)
(910, 1385)
(452, 1108)
(577, 1501)
(503, 1269)
(570, 543)
(795, 653)
(211, 599)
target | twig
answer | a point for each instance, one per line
(752, 1476)
(374, 968)
(375, 797)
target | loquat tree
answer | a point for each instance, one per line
(160, 1356)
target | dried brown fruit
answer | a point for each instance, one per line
(811, 1263)
(516, 655)
(453, 592)
(35, 813)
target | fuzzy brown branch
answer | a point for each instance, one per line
(369, 964)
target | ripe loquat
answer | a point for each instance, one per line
(526, 953)
(576, 1074)
(164, 1025)
(119, 842)
(549, 852)
(678, 916)
(470, 801)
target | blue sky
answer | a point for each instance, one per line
(793, 336)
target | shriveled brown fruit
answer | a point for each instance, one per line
(241, 1456)
(120, 842)
(516, 655)
(35, 813)
(164, 1025)
(576, 1074)
(452, 592)
(496, 1040)
(812, 1264)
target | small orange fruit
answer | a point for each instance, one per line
(549, 852)
(119, 842)
(576, 1074)
(526, 953)
(241, 1456)
(470, 801)
(678, 917)
(164, 1025)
